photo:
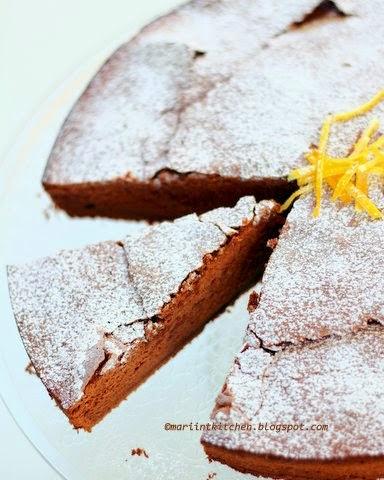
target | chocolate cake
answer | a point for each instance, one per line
(313, 353)
(214, 101)
(330, 394)
(98, 320)
(217, 100)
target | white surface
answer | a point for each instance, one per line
(19, 459)
(41, 42)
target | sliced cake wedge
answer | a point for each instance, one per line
(98, 320)
(313, 353)
(216, 100)
(315, 411)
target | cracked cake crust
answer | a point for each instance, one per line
(184, 118)
(324, 277)
(332, 382)
(175, 121)
(98, 320)
(313, 352)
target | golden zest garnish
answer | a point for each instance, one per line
(347, 176)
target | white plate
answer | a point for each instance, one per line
(182, 391)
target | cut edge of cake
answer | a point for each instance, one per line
(84, 315)
(111, 155)
(319, 315)
(304, 385)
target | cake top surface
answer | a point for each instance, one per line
(66, 306)
(265, 117)
(83, 311)
(313, 353)
(203, 90)
(324, 276)
(164, 255)
(335, 382)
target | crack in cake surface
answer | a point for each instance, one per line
(183, 84)
(323, 277)
(309, 384)
(313, 352)
(98, 302)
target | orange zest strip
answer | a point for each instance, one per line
(365, 203)
(379, 143)
(344, 181)
(291, 198)
(366, 136)
(378, 171)
(348, 177)
(361, 144)
(361, 110)
(324, 135)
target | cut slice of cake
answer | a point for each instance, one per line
(217, 100)
(98, 320)
(311, 355)
(325, 275)
(315, 411)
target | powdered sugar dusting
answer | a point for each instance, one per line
(146, 108)
(81, 308)
(336, 382)
(65, 305)
(163, 256)
(311, 355)
(324, 277)
(124, 118)
(228, 219)
(262, 121)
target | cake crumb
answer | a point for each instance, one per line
(30, 369)
(253, 302)
(139, 452)
(272, 243)
(211, 475)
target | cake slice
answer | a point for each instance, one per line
(212, 102)
(315, 411)
(313, 353)
(324, 277)
(98, 320)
